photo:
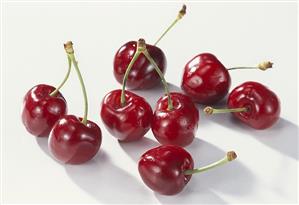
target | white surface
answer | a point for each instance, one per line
(237, 33)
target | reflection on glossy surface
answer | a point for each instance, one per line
(72, 142)
(41, 111)
(143, 74)
(205, 79)
(263, 105)
(177, 126)
(162, 169)
(129, 122)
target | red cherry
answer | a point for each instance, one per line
(143, 74)
(73, 142)
(178, 125)
(127, 122)
(263, 106)
(253, 104)
(168, 168)
(205, 79)
(162, 169)
(41, 110)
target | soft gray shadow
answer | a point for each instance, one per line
(154, 94)
(232, 178)
(108, 183)
(43, 144)
(137, 148)
(283, 136)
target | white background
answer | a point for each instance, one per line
(237, 33)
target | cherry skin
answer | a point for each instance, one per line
(176, 126)
(129, 122)
(162, 169)
(41, 111)
(263, 106)
(72, 142)
(143, 74)
(205, 79)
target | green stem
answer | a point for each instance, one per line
(75, 63)
(123, 97)
(237, 68)
(182, 12)
(54, 93)
(151, 60)
(230, 156)
(209, 110)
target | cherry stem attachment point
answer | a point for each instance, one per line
(151, 60)
(209, 110)
(139, 49)
(262, 66)
(68, 46)
(230, 156)
(54, 92)
(180, 15)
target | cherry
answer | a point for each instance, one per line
(168, 168)
(207, 81)
(75, 140)
(126, 115)
(143, 75)
(176, 126)
(43, 105)
(253, 104)
(129, 122)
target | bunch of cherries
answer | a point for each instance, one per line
(165, 169)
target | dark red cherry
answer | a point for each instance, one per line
(263, 106)
(72, 142)
(205, 79)
(162, 169)
(41, 111)
(143, 74)
(127, 122)
(178, 125)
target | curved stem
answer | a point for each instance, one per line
(75, 63)
(182, 12)
(123, 97)
(151, 60)
(54, 92)
(262, 66)
(209, 110)
(230, 156)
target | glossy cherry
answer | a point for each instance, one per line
(168, 168)
(127, 122)
(207, 81)
(75, 140)
(176, 126)
(72, 142)
(41, 110)
(253, 104)
(143, 74)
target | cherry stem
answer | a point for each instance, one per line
(140, 47)
(70, 52)
(230, 156)
(209, 110)
(180, 15)
(262, 66)
(151, 60)
(54, 93)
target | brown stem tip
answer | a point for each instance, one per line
(68, 46)
(231, 155)
(265, 65)
(182, 12)
(208, 110)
